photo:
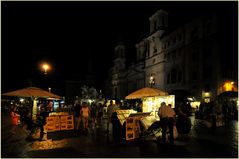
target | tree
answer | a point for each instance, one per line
(88, 92)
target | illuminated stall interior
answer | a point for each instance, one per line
(227, 86)
(152, 104)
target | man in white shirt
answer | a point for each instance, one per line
(167, 118)
(110, 110)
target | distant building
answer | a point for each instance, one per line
(190, 58)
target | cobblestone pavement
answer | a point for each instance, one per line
(200, 142)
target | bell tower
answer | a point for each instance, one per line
(158, 22)
(119, 57)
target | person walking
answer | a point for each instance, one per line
(85, 112)
(100, 113)
(167, 119)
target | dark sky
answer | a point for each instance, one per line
(68, 34)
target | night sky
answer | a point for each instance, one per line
(70, 34)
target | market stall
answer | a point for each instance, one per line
(34, 93)
(151, 102)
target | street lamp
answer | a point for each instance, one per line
(45, 67)
(151, 80)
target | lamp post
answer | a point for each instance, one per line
(151, 80)
(46, 67)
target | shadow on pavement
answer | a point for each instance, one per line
(59, 135)
(67, 152)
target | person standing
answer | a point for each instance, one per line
(15, 119)
(110, 110)
(93, 111)
(167, 118)
(77, 109)
(42, 121)
(85, 112)
(100, 113)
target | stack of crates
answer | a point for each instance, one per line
(52, 124)
(67, 122)
(70, 122)
(63, 122)
(132, 128)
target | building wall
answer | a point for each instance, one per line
(186, 58)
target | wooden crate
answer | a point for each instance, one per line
(52, 119)
(69, 122)
(63, 126)
(70, 126)
(51, 128)
(70, 117)
(53, 123)
(64, 118)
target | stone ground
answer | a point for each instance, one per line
(201, 142)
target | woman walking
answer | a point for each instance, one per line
(85, 112)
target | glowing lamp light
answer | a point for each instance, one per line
(21, 100)
(228, 86)
(207, 94)
(45, 67)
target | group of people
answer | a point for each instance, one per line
(94, 112)
(21, 117)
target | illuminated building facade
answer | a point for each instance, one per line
(192, 57)
(125, 80)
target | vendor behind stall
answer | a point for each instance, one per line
(139, 107)
(41, 120)
(167, 119)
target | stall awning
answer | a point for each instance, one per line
(32, 92)
(146, 92)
